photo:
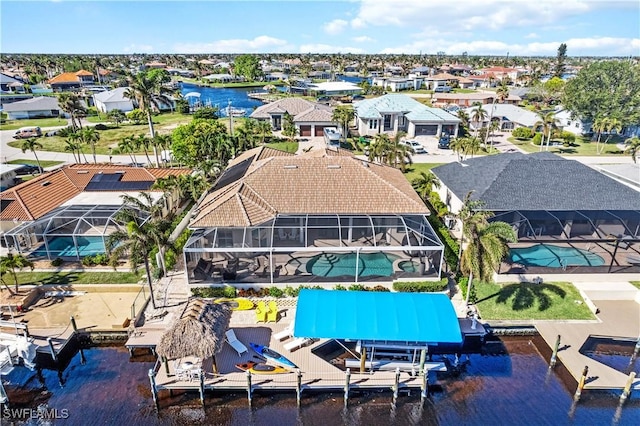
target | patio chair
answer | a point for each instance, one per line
(633, 260)
(284, 334)
(294, 234)
(281, 234)
(297, 343)
(261, 312)
(234, 342)
(262, 268)
(272, 313)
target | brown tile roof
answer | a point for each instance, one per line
(307, 184)
(83, 72)
(37, 197)
(69, 77)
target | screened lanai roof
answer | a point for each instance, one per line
(378, 316)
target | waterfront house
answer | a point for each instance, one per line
(393, 113)
(71, 81)
(468, 99)
(310, 118)
(551, 202)
(36, 107)
(322, 217)
(113, 99)
(508, 116)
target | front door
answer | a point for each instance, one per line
(277, 122)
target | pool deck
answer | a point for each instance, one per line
(618, 316)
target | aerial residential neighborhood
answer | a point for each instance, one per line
(245, 230)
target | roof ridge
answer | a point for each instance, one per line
(243, 208)
(24, 206)
(386, 182)
(253, 191)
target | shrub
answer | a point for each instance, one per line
(101, 126)
(88, 261)
(422, 286)
(208, 292)
(229, 292)
(291, 292)
(567, 138)
(339, 287)
(357, 287)
(170, 258)
(58, 261)
(463, 284)
(92, 111)
(206, 113)
(275, 292)
(537, 139)
(522, 133)
(379, 288)
(451, 246)
(101, 259)
(179, 243)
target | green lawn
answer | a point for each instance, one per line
(284, 146)
(61, 278)
(527, 301)
(636, 283)
(39, 122)
(580, 147)
(415, 169)
(43, 163)
(111, 137)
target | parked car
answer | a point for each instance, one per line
(415, 146)
(28, 132)
(442, 89)
(27, 169)
(51, 133)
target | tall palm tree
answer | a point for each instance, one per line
(72, 105)
(487, 244)
(633, 146)
(343, 115)
(478, 115)
(71, 145)
(464, 121)
(90, 136)
(127, 145)
(399, 154)
(148, 90)
(612, 124)
(31, 144)
(425, 183)
(141, 141)
(548, 122)
(163, 142)
(264, 128)
(10, 262)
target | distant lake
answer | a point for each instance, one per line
(220, 97)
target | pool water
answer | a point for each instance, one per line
(344, 264)
(552, 256)
(64, 247)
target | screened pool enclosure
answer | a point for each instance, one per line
(309, 248)
(68, 232)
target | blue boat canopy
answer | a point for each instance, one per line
(370, 315)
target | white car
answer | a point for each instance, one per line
(417, 148)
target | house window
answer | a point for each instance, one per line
(373, 124)
(387, 122)
(402, 121)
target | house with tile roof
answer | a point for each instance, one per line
(323, 216)
(309, 117)
(584, 220)
(71, 80)
(468, 99)
(394, 113)
(67, 204)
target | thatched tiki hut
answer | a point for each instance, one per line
(200, 331)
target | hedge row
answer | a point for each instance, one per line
(422, 286)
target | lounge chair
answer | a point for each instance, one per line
(272, 314)
(297, 343)
(633, 260)
(262, 266)
(284, 334)
(294, 234)
(281, 234)
(234, 342)
(261, 312)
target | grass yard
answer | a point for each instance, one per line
(39, 122)
(584, 147)
(527, 301)
(284, 146)
(636, 284)
(61, 278)
(43, 163)
(416, 168)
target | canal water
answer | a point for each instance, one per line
(508, 384)
(220, 97)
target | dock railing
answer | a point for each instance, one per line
(138, 304)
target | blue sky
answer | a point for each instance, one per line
(487, 27)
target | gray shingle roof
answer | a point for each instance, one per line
(38, 103)
(539, 181)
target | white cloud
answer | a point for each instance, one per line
(335, 27)
(258, 44)
(138, 48)
(326, 48)
(598, 46)
(363, 39)
(532, 35)
(466, 14)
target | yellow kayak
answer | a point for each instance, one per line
(236, 304)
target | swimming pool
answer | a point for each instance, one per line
(341, 264)
(64, 247)
(552, 256)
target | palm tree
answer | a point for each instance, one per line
(72, 105)
(127, 145)
(343, 115)
(633, 145)
(548, 122)
(289, 128)
(71, 145)
(425, 183)
(399, 154)
(264, 128)
(164, 143)
(10, 262)
(464, 121)
(478, 115)
(31, 144)
(90, 135)
(502, 93)
(487, 243)
(148, 90)
(141, 141)
(611, 125)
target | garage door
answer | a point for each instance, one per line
(319, 130)
(305, 130)
(428, 130)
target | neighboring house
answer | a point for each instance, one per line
(502, 72)
(155, 65)
(394, 113)
(181, 72)
(571, 124)
(222, 78)
(337, 219)
(334, 88)
(421, 71)
(113, 99)
(468, 99)
(72, 204)
(8, 175)
(275, 76)
(10, 84)
(552, 200)
(483, 80)
(310, 118)
(36, 107)
(71, 80)
(509, 116)
(397, 84)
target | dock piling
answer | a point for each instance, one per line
(52, 350)
(627, 388)
(249, 389)
(424, 387)
(73, 324)
(299, 386)
(581, 383)
(396, 386)
(346, 385)
(201, 376)
(554, 355)
(423, 359)
(154, 390)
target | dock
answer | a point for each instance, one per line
(618, 313)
